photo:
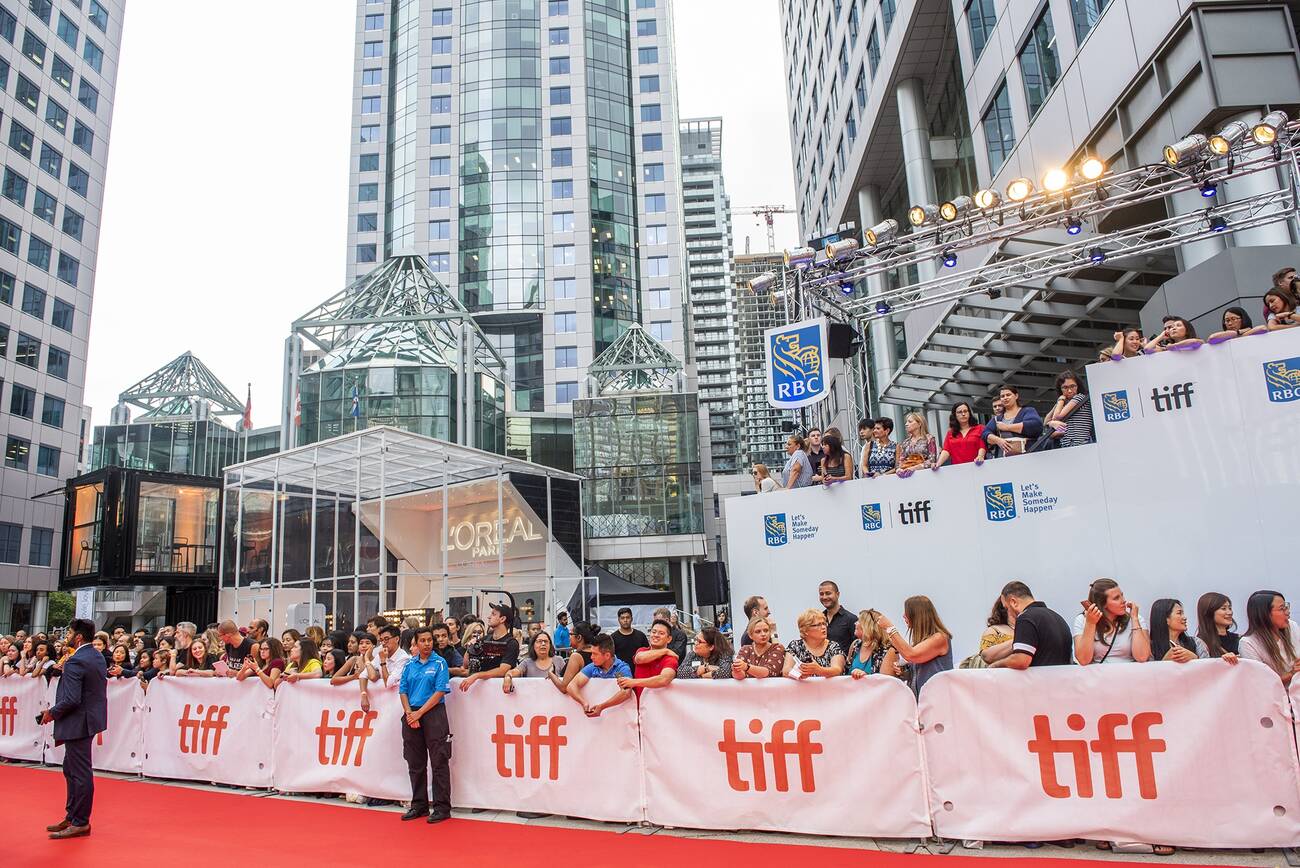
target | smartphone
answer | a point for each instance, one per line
(221, 668)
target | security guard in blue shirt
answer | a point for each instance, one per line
(426, 737)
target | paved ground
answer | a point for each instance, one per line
(1047, 851)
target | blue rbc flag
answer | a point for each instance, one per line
(871, 517)
(1283, 380)
(796, 363)
(1000, 501)
(775, 529)
(356, 403)
(1114, 406)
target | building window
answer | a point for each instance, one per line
(559, 66)
(653, 172)
(34, 48)
(78, 180)
(47, 461)
(998, 131)
(28, 94)
(88, 96)
(61, 72)
(8, 23)
(365, 253)
(558, 36)
(373, 49)
(565, 393)
(562, 254)
(656, 203)
(562, 189)
(16, 452)
(68, 31)
(98, 15)
(38, 252)
(439, 230)
(42, 546)
(873, 51)
(56, 362)
(440, 166)
(649, 84)
(367, 222)
(647, 27)
(367, 192)
(44, 206)
(566, 323)
(440, 262)
(63, 313)
(652, 142)
(1039, 66)
(440, 135)
(51, 161)
(661, 331)
(440, 197)
(368, 163)
(562, 221)
(27, 351)
(557, 7)
(655, 235)
(52, 411)
(20, 139)
(374, 22)
(7, 284)
(981, 16)
(371, 77)
(440, 105)
(369, 133)
(657, 266)
(887, 11)
(1085, 14)
(442, 75)
(83, 137)
(652, 111)
(566, 357)
(11, 541)
(645, 4)
(22, 401)
(561, 96)
(647, 55)
(14, 188)
(561, 126)
(442, 45)
(658, 299)
(34, 301)
(441, 17)
(370, 105)
(57, 116)
(561, 157)
(565, 287)
(93, 55)
(69, 270)
(860, 88)
(10, 236)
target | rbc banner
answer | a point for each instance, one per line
(209, 729)
(325, 743)
(823, 756)
(21, 699)
(1113, 753)
(120, 748)
(535, 750)
(796, 363)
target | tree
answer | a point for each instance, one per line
(62, 607)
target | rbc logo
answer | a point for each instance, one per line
(775, 529)
(1000, 501)
(1283, 380)
(796, 364)
(871, 519)
(1114, 405)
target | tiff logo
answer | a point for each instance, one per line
(916, 512)
(803, 747)
(1108, 745)
(341, 739)
(8, 714)
(204, 724)
(508, 744)
(1177, 397)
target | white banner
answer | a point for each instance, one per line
(825, 756)
(209, 729)
(797, 363)
(1194, 755)
(120, 748)
(325, 743)
(535, 750)
(21, 700)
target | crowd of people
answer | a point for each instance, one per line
(824, 458)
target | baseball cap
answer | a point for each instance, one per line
(506, 611)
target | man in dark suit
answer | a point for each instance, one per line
(79, 713)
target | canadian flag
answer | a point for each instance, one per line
(297, 409)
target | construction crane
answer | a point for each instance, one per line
(766, 212)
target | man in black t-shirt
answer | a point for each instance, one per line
(1042, 637)
(839, 622)
(497, 652)
(628, 641)
(237, 647)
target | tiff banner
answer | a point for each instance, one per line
(1197, 754)
(21, 699)
(822, 756)
(120, 748)
(209, 729)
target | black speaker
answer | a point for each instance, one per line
(839, 343)
(787, 426)
(711, 585)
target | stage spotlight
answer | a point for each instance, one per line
(994, 293)
(1073, 226)
(882, 307)
(1209, 189)
(846, 287)
(1218, 224)
(1185, 151)
(1097, 255)
(1091, 168)
(1266, 131)
(882, 233)
(986, 199)
(836, 250)
(763, 282)
(800, 257)
(949, 258)
(919, 215)
(1229, 137)
(1020, 189)
(950, 211)
(1055, 180)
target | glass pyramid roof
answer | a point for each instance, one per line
(175, 389)
(636, 362)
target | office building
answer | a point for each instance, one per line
(58, 70)
(762, 435)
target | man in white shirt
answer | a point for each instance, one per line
(385, 665)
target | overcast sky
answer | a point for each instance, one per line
(226, 204)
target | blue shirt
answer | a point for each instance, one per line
(423, 678)
(591, 670)
(561, 636)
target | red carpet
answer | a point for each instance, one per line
(182, 820)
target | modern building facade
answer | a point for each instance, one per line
(528, 150)
(762, 435)
(58, 71)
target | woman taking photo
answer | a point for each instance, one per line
(1215, 624)
(710, 658)
(267, 662)
(1109, 629)
(919, 450)
(1169, 639)
(539, 662)
(930, 650)
(964, 442)
(812, 653)
(871, 653)
(1271, 634)
(761, 658)
(837, 465)
(1128, 344)
(881, 455)
(119, 663)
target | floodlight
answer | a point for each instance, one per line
(763, 282)
(840, 249)
(882, 233)
(800, 257)
(1091, 168)
(1020, 189)
(1185, 151)
(1229, 137)
(1055, 180)
(986, 199)
(1266, 131)
(919, 215)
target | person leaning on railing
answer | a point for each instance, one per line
(1176, 334)
(762, 657)
(1271, 636)
(1281, 310)
(813, 654)
(1110, 629)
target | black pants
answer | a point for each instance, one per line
(429, 745)
(80, 779)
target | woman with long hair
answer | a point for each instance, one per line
(1169, 638)
(763, 481)
(710, 658)
(1281, 310)
(538, 662)
(1271, 634)
(289, 637)
(582, 637)
(871, 652)
(195, 660)
(837, 464)
(119, 662)
(964, 442)
(267, 662)
(304, 661)
(332, 661)
(1176, 333)
(919, 450)
(1070, 419)
(1215, 624)
(1128, 343)
(798, 470)
(1236, 322)
(813, 653)
(1110, 629)
(928, 647)
(761, 658)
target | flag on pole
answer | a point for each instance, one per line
(248, 409)
(297, 409)
(356, 403)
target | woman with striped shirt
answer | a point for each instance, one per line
(1071, 418)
